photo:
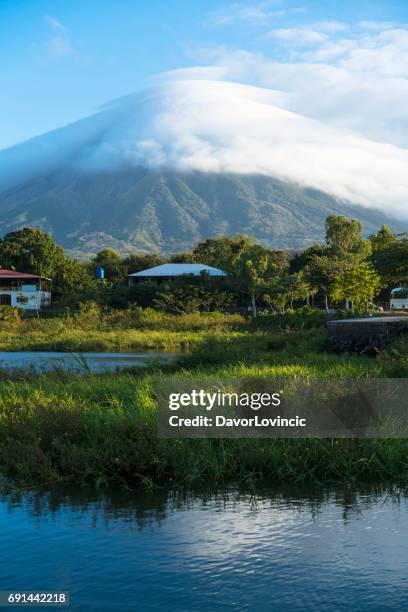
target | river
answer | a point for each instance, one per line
(285, 549)
(43, 361)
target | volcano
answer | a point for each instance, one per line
(163, 169)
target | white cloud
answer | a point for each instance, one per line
(59, 44)
(256, 13)
(217, 126)
(333, 115)
(377, 25)
(383, 54)
(332, 26)
(331, 50)
(54, 24)
(298, 36)
(358, 82)
(352, 83)
(195, 72)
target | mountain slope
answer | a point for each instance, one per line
(140, 209)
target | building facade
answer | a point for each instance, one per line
(399, 299)
(171, 271)
(26, 291)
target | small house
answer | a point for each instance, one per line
(21, 290)
(399, 299)
(171, 271)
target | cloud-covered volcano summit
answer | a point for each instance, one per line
(218, 126)
(192, 158)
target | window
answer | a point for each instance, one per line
(21, 299)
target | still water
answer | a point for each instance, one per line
(77, 362)
(281, 550)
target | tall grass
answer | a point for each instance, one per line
(133, 329)
(62, 427)
(102, 430)
(92, 329)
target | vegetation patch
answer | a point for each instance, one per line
(101, 430)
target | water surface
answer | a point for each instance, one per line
(281, 550)
(43, 361)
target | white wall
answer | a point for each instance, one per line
(36, 299)
(399, 304)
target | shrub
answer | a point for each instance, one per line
(395, 358)
(9, 314)
(302, 318)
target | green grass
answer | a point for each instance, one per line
(132, 330)
(285, 353)
(104, 341)
(102, 429)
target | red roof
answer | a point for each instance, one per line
(13, 274)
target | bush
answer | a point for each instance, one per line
(9, 314)
(302, 318)
(395, 358)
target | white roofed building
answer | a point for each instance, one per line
(171, 271)
(399, 298)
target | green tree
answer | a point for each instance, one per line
(34, 251)
(31, 250)
(72, 277)
(297, 286)
(140, 261)
(391, 261)
(223, 252)
(250, 266)
(344, 237)
(277, 295)
(287, 289)
(383, 239)
(253, 276)
(178, 300)
(320, 274)
(321, 264)
(111, 262)
(359, 285)
(299, 261)
(253, 270)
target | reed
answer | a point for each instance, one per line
(61, 427)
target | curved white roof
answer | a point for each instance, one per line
(179, 269)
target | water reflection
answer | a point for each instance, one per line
(147, 506)
(48, 361)
(283, 548)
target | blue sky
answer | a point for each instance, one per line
(62, 59)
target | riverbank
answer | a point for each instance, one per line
(101, 430)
